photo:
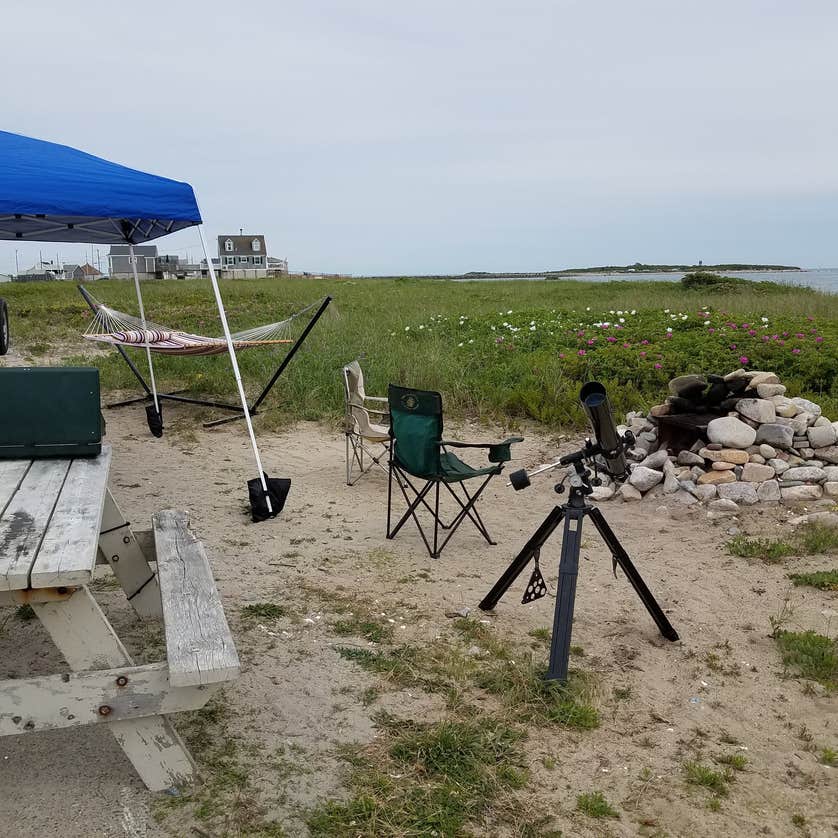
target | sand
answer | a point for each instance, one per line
(296, 693)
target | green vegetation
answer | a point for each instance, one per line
(824, 580)
(267, 611)
(431, 779)
(809, 539)
(497, 350)
(810, 655)
(594, 805)
(829, 756)
(702, 775)
(735, 761)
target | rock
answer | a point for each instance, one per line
(647, 439)
(800, 423)
(684, 473)
(644, 478)
(766, 391)
(743, 493)
(687, 458)
(724, 505)
(659, 410)
(668, 467)
(686, 382)
(737, 472)
(831, 488)
(769, 491)
(793, 494)
(809, 407)
(602, 493)
(778, 465)
(814, 464)
(671, 484)
(637, 454)
(656, 460)
(785, 408)
(705, 492)
(831, 473)
(684, 498)
(688, 485)
(760, 410)
(740, 373)
(756, 473)
(823, 436)
(786, 484)
(726, 455)
(821, 422)
(828, 519)
(730, 432)
(830, 454)
(807, 453)
(767, 451)
(697, 471)
(721, 465)
(627, 492)
(716, 477)
(805, 473)
(777, 436)
(758, 458)
(758, 378)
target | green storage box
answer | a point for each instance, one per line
(49, 412)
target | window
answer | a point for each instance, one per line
(256, 245)
(228, 246)
(229, 260)
(242, 260)
(257, 260)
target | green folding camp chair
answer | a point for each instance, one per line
(418, 450)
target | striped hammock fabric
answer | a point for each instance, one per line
(120, 329)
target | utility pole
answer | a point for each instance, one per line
(17, 266)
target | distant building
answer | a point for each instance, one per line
(119, 261)
(243, 256)
(81, 272)
(5, 278)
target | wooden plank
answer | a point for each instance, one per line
(68, 551)
(49, 702)
(25, 520)
(84, 636)
(128, 562)
(11, 473)
(199, 644)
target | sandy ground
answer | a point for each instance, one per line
(296, 692)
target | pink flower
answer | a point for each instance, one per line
(800, 335)
(751, 332)
(611, 339)
(592, 341)
(499, 340)
(580, 334)
(766, 338)
(561, 355)
(819, 339)
(668, 335)
(628, 345)
(733, 346)
(644, 342)
(785, 334)
(795, 352)
(781, 343)
(581, 352)
(746, 325)
(642, 354)
(657, 366)
(743, 359)
(712, 331)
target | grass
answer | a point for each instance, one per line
(594, 805)
(430, 779)
(809, 540)
(810, 655)
(737, 762)
(697, 774)
(829, 756)
(824, 580)
(451, 336)
(266, 611)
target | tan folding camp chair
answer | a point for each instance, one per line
(363, 436)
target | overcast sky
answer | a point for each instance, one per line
(378, 137)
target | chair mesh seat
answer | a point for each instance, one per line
(454, 469)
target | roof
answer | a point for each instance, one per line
(139, 250)
(241, 244)
(51, 192)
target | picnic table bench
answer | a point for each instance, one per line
(57, 520)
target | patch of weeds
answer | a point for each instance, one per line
(767, 550)
(702, 775)
(716, 664)
(482, 635)
(369, 696)
(357, 625)
(783, 616)
(726, 738)
(824, 580)
(427, 780)
(267, 611)
(735, 761)
(548, 762)
(714, 804)
(798, 820)
(818, 538)
(397, 665)
(541, 634)
(829, 756)
(622, 693)
(594, 805)
(577, 652)
(810, 655)
(104, 583)
(25, 613)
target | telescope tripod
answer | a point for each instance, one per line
(572, 513)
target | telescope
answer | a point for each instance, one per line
(606, 450)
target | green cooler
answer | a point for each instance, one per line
(49, 412)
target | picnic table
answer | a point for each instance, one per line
(58, 519)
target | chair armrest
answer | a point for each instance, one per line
(499, 452)
(376, 399)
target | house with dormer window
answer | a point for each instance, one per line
(242, 256)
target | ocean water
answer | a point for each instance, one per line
(824, 279)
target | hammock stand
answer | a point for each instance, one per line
(207, 347)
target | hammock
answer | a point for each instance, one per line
(120, 329)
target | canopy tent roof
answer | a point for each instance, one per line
(51, 192)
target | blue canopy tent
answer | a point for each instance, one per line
(51, 192)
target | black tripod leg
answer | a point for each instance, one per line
(566, 595)
(622, 559)
(522, 559)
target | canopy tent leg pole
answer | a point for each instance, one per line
(133, 260)
(242, 395)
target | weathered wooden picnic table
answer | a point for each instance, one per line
(57, 519)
